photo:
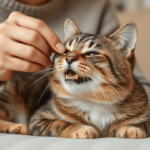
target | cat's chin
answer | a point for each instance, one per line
(76, 88)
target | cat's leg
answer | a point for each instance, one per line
(59, 128)
(50, 126)
(131, 132)
(13, 128)
(6, 115)
(80, 131)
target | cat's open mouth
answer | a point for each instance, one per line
(72, 76)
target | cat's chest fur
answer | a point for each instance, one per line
(100, 114)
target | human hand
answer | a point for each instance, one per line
(26, 44)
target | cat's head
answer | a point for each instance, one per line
(94, 65)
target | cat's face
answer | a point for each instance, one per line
(79, 66)
(91, 62)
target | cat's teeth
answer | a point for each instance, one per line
(76, 77)
(66, 77)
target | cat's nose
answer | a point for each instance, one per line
(70, 59)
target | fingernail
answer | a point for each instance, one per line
(60, 47)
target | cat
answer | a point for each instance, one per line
(90, 91)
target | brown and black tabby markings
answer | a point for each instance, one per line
(91, 91)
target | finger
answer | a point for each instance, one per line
(39, 26)
(29, 37)
(26, 52)
(5, 75)
(17, 64)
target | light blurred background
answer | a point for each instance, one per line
(137, 11)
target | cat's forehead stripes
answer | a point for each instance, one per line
(85, 43)
(72, 45)
(85, 37)
(88, 46)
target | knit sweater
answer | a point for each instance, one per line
(91, 16)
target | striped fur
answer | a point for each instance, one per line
(92, 93)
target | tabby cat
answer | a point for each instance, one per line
(90, 92)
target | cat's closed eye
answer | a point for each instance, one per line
(67, 52)
(91, 54)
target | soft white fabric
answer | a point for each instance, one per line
(20, 142)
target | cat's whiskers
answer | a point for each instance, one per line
(42, 78)
(89, 84)
(113, 82)
(83, 74)
(93, 92)
(49, 83)
(42, 94)
(40, 72)
(99, 87)
(115, 91)
(107, 84)
(116, 84)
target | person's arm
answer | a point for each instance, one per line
(26, 44)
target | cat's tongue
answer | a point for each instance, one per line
(72, 75)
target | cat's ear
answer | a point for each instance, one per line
(70, 29)
(125, 38)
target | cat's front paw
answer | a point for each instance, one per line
(130, 132)
(19, 129)
(82, 132)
